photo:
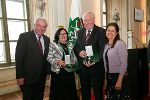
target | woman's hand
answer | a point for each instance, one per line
(119, 82)
(118, 85)
(74, 62)
(61, 63)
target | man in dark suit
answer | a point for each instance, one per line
(32, 67)
(91, 74)
(148, 54)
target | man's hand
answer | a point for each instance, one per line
(82, 54)
(89, 64)
(48, 77)
(20, 81)
(149, 65)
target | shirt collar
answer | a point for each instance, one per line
(38, 36)
(89, 30)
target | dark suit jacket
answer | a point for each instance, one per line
(148, 52)
(30, 64)
(97, 40)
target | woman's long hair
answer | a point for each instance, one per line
(117, 37)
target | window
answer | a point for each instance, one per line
(13, 21)
(104, 14)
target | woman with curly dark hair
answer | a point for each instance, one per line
(63, 85)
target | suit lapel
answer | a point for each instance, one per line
(84, 35)
(34, 39)
(45, 44)
(93, 32)
(34, 42)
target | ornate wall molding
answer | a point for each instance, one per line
(116, 16)
(40, 4)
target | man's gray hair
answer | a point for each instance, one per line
(40, 18)
(88, 13)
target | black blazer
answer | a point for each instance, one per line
(148, 52)
(29, 61)
(97, 40)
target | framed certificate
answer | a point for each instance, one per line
(138, 14)
(89, 50)
(67, 59)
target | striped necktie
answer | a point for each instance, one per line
(40, 44)
(88, 35)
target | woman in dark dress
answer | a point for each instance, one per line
(63, 85)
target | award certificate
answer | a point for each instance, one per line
(67, 59)
(89, 50)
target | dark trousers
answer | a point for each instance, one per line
(63, 86)
(92, 77)
(34, 91)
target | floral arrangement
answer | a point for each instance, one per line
(115, 16)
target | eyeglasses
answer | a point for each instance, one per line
(62, 33)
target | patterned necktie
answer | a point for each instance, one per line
(88, 35)
(40, 45)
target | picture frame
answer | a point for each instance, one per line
(138, 14)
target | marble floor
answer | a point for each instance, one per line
(18, 95)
